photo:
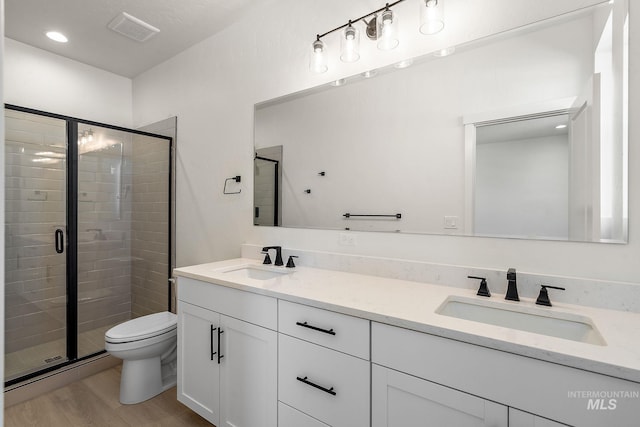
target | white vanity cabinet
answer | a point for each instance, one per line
(323, 368)
(227, 354)
(520, 383)
(519, 418)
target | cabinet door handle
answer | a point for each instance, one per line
(59, 242)
(220, 356)
(315, 328)
(213, 353)
(319, 387)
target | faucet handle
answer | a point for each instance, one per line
(290, 263)
(267, 258)
(483, 291)
(543, 298)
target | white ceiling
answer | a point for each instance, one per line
(182, 23)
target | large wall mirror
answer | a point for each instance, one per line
(522, 134)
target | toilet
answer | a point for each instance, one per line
(147, 346)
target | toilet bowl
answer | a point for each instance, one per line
(147, 347)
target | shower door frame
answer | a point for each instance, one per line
(71, 241)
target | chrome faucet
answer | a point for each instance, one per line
(278, 255)
(512, 288)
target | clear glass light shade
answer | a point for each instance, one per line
(318, 57)
(350, 44)
(388, 36)
(431, 16)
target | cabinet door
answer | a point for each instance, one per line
(524, 419)
(248, 375)
(289, 417)
(401, 400)
(198, 368)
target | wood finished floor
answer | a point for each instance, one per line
(93, 401)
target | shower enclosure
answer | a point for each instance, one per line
(88, 241)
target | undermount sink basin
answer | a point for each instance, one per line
(257, 272)
(530, 319)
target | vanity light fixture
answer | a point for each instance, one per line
(388, 38)
(350, 44)
(85, 136)
(57, 37)
(431, 16)
(381, 27)
(318, 58)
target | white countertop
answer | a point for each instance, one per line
(413, 305)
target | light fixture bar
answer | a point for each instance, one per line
(353, 21)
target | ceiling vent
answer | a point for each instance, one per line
(132, 27)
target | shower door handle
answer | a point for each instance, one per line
(59, 241)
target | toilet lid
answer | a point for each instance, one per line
(142, 327)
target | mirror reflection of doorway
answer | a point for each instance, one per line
(267, 186)
(522, 178)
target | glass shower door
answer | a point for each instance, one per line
(123, 230)
(35, 242)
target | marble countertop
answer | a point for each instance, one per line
(413, 305)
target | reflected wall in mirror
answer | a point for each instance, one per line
(406, 141)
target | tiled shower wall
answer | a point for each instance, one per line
(104, 236)
(150, 225)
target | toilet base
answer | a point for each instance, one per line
(142, 379)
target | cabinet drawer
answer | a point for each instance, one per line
(253, 308)
(289, 417)
(337, 385)
(340, 332)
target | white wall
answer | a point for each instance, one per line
(213, 86)
(44, 81)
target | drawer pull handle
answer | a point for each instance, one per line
(319, 387)
(220, 356)
(315, 328)
(213, 353)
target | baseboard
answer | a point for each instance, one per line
(34, 387)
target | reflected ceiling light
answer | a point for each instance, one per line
(561, 126)
(338, 82)
(57, 37)
(431, 16)
(381, 27)
(403, 64)
(369, 74)
(444, 52)
(350, 44)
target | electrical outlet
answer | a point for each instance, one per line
(347, 239)
(451, 222)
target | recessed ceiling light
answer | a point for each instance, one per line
(57, 37)
(561, 126)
